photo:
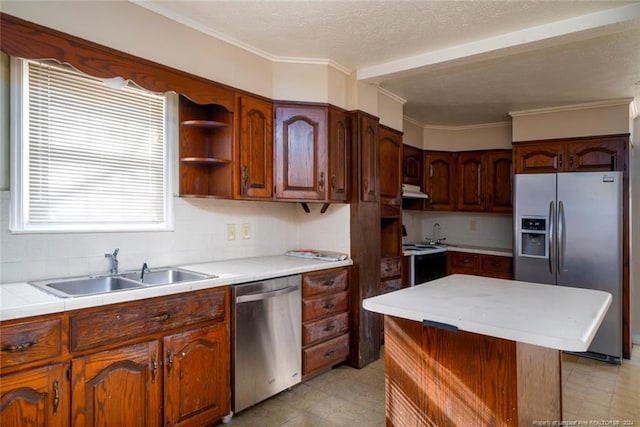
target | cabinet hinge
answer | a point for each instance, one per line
(68, 373)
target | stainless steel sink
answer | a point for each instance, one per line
(86, 286)
(167, 276)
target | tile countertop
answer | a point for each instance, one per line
(18, 300)
(556, 317)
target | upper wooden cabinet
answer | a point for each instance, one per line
(589, 154)
(439, 180)
(368, 136)
(301, 152)
(412, 161)
(390, 166)
(254, 153)
(484, 181)
(339, 149)
(206, 139)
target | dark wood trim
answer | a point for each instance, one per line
(32, 41)
(390, 129)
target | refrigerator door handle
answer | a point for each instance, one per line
(560, 236)
(551, 232)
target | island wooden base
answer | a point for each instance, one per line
(436, 377)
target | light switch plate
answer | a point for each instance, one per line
(246, 231)
(231, 232)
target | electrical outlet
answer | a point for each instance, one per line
(231, 232)
(472, 225)
(246, 231)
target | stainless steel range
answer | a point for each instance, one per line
(427, 262)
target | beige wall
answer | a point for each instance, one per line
(413, 134)
(390, 111)
(585, 120)
(482, 137)
(300, 82)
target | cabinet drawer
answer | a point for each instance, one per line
(324, 282)
(129, 320)
(390, 267)
(326, 354)
(465, 261)
(321, 330)
(390, 285)
(496, 264)
(30, 341)
(319, 307)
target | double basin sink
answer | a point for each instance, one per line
(82, 286)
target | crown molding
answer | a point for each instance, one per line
(468, 127)
(413, 121)
(573, 107)
(312, 61)
(634, 110)
(391, 95)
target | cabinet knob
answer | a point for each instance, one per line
(328, 305)
(328, 283)
(329, 353)
(329, 328)
(18, 348)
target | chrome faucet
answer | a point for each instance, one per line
(435, 240)
(114, 261)
(145, 269)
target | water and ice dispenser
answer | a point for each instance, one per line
(534, 240)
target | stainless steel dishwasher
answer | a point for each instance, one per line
(266, 339)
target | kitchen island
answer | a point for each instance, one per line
(467, 350)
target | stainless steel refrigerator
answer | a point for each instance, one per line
(568, 232)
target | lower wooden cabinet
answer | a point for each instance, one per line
(35, 397)
(325, 320)
(500, 267)
(159, 361)
(117, 387)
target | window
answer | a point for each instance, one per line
(86, 155)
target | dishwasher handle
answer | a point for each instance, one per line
(265, 295)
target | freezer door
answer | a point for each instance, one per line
(533, 250)
(590, 245)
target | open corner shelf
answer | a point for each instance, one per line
(205, 161)
(206, 124)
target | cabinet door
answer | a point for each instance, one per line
(37, 397)
(339, 147)
(197, 376)
(255, 147)
(390, 167)
(597, 155)
(119, 387)
(440, 180)
(471, 192)
(301, 152)
(412, 165)
(498, 181)
(539, 158)
(368, 159)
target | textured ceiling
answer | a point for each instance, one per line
(538, 65)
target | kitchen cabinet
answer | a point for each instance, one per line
(390, 166)
(117, 387)
(439, 180)
(412, 161)
(367, 146)
(500, 267)
(586, 154)
(301, 152)
(325, 320)
(339, 154)
(155, 361)
(206, 149)
(254, 169)
(36, 397)
(484, 181)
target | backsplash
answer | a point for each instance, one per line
(199, 235)
(475, 229)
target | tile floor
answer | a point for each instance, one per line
(594, 393)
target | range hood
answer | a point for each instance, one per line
(413, 192)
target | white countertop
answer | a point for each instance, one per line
(484, 250)
(557, 317)
(18, 300)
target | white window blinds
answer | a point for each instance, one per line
(94, 157)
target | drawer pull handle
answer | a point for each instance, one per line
(465, 261)
(390, 289)
(154, 368)
(388, 269)
(329, 328)
(329, 353)
(329, 305)
(56, 397)
(495, 264)
(18, 348)
(161, 317)
(329, 283)
(169, 361)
